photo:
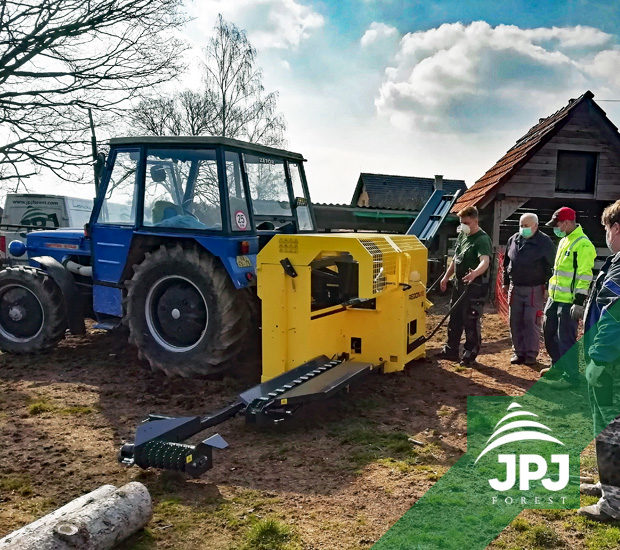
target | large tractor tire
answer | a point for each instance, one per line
(184, 314)
(32, 312)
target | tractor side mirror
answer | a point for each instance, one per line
(98, 169)
(158, 174)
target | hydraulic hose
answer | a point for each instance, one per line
(458, 301)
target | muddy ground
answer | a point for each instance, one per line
(337, 478)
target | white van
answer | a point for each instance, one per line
(26, 211)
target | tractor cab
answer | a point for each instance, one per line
(214, 186)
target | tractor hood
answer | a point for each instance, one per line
(59, 243)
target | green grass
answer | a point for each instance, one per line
(541, 536)
(588, 463)
(270, 534)
(370, 444)
(520, 524)
(78, 410)
(17, 483)
(39, 407)
(603, 537)
(388, 448)
(143, 540)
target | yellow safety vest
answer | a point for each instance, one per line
(572, 271)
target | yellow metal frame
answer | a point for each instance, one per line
(392, 271)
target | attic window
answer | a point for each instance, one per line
(576, 172)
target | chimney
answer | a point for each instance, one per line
(438, 182)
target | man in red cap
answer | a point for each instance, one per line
(568, 290)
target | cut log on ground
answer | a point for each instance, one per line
(96, 521)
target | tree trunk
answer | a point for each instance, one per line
(96, 521)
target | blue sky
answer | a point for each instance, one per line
(417, 87)
(353, 15)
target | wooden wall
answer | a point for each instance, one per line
(586, 130)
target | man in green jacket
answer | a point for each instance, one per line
(568, 290)
(602, 351)
(472, 257)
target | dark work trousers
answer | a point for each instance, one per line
(560, 334)
(605, 411)
(526, 304)
(466, 316)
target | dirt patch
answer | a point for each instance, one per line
(338, 477)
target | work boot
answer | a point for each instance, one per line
(553, 376)
(468, 359)
(449, 354)
(530, 361)
(594, 512)
(561, 384)
(516, 359)
(591, 489)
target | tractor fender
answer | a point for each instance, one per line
(71, 297)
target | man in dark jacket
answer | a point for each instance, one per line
(528, 265)
(602, 350)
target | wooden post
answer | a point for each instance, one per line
(96, 521)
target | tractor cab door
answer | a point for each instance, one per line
(113, 223)
(278, 196)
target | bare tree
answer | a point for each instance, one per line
(232, 103)
(60, 57)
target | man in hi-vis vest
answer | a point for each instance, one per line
(568, 290)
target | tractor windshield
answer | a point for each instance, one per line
(268, 188)
(181, 189)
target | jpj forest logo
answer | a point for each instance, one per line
(530, 478)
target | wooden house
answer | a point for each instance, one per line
(571, 158)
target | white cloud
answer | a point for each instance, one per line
(377, 32)
(278, 24)
(605, 66)
(465, 77)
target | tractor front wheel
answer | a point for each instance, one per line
(32, 312)
(184, 314)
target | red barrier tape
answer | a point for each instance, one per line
(501, 296)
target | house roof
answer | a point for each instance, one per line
(521, 152)
(399, 192)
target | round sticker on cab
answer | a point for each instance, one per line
(241, 220)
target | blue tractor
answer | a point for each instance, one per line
(170, 252)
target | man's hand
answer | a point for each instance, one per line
(469, 277)
(576, 312)
(593, 373)
(443, 284)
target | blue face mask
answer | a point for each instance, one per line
(559, 233)
(525, 232)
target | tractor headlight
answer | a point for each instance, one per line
(17, 248)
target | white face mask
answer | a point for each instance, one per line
(463, 228)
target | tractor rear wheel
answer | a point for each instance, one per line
(184, 314)
(32, 312)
